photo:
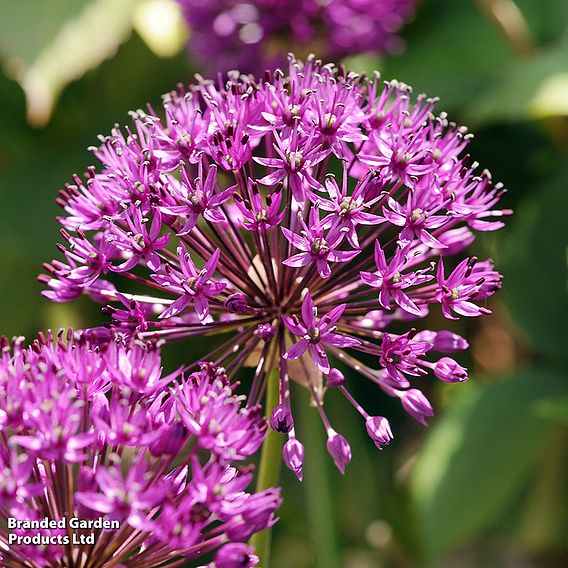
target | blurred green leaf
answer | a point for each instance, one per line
(452, 52)
(457, 53)
(553, 409)
(58, 44)
(546, 19)
(534, 266)
(34, 164)
(533, 88)
(478, 456)
(544, 522)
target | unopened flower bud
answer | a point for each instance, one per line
(449, 342)
(379, 430)
(170, 441)
(417, 405)
(237, 303)
(450, 371)
(281, 419)
(293, 456)
(339, 449)
(334, 378)
(265, 331)
(236, 555)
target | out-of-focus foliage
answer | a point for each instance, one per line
(535, 88)
(555, 409)
(534, 264)
(46, 44)
(488, 486)
(455, 53)
(35, 164)
(160, 24)
(72, 36)
(479, 456)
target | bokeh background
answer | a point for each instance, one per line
(487, 484)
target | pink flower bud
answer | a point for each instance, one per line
(450, 371)
(417, 405)
(339, 449)
(293, 456)
(265, 331)
(334, 378)
(236, 555)
(449, 342)
(379, 430)
(281, 419)
(237, 303)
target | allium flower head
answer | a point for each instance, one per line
(252, 35)
(96, 433)
(299, 236)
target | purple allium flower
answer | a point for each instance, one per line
(259, 241)
(252, 35)
(316, 334)
(93, 432)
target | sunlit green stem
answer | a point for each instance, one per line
(269, 467)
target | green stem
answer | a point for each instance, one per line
(319, 494)
(269, 467)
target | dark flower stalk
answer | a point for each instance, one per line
(97, 434)
(300, 217)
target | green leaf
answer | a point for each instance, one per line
(533, 88)
(543, 524)
(534, 266)
(452, 52)
(46, 44)
(478, 456)
(553, 409)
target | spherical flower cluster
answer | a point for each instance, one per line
(299, 216)
(254, 35)
(96, 434)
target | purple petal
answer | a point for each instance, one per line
(371, 279)
(295, 328)
(341, 341)
(308, 312)
(320, 358)
(201, 307)
(429, 240)
(297, 260)
(297, 350)
(179, 305)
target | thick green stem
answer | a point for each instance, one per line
(269, 467)
(319, 495)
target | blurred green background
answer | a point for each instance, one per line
(487, 484)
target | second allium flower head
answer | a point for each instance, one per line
(99, 433)
(252, 35)
(277, 211)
